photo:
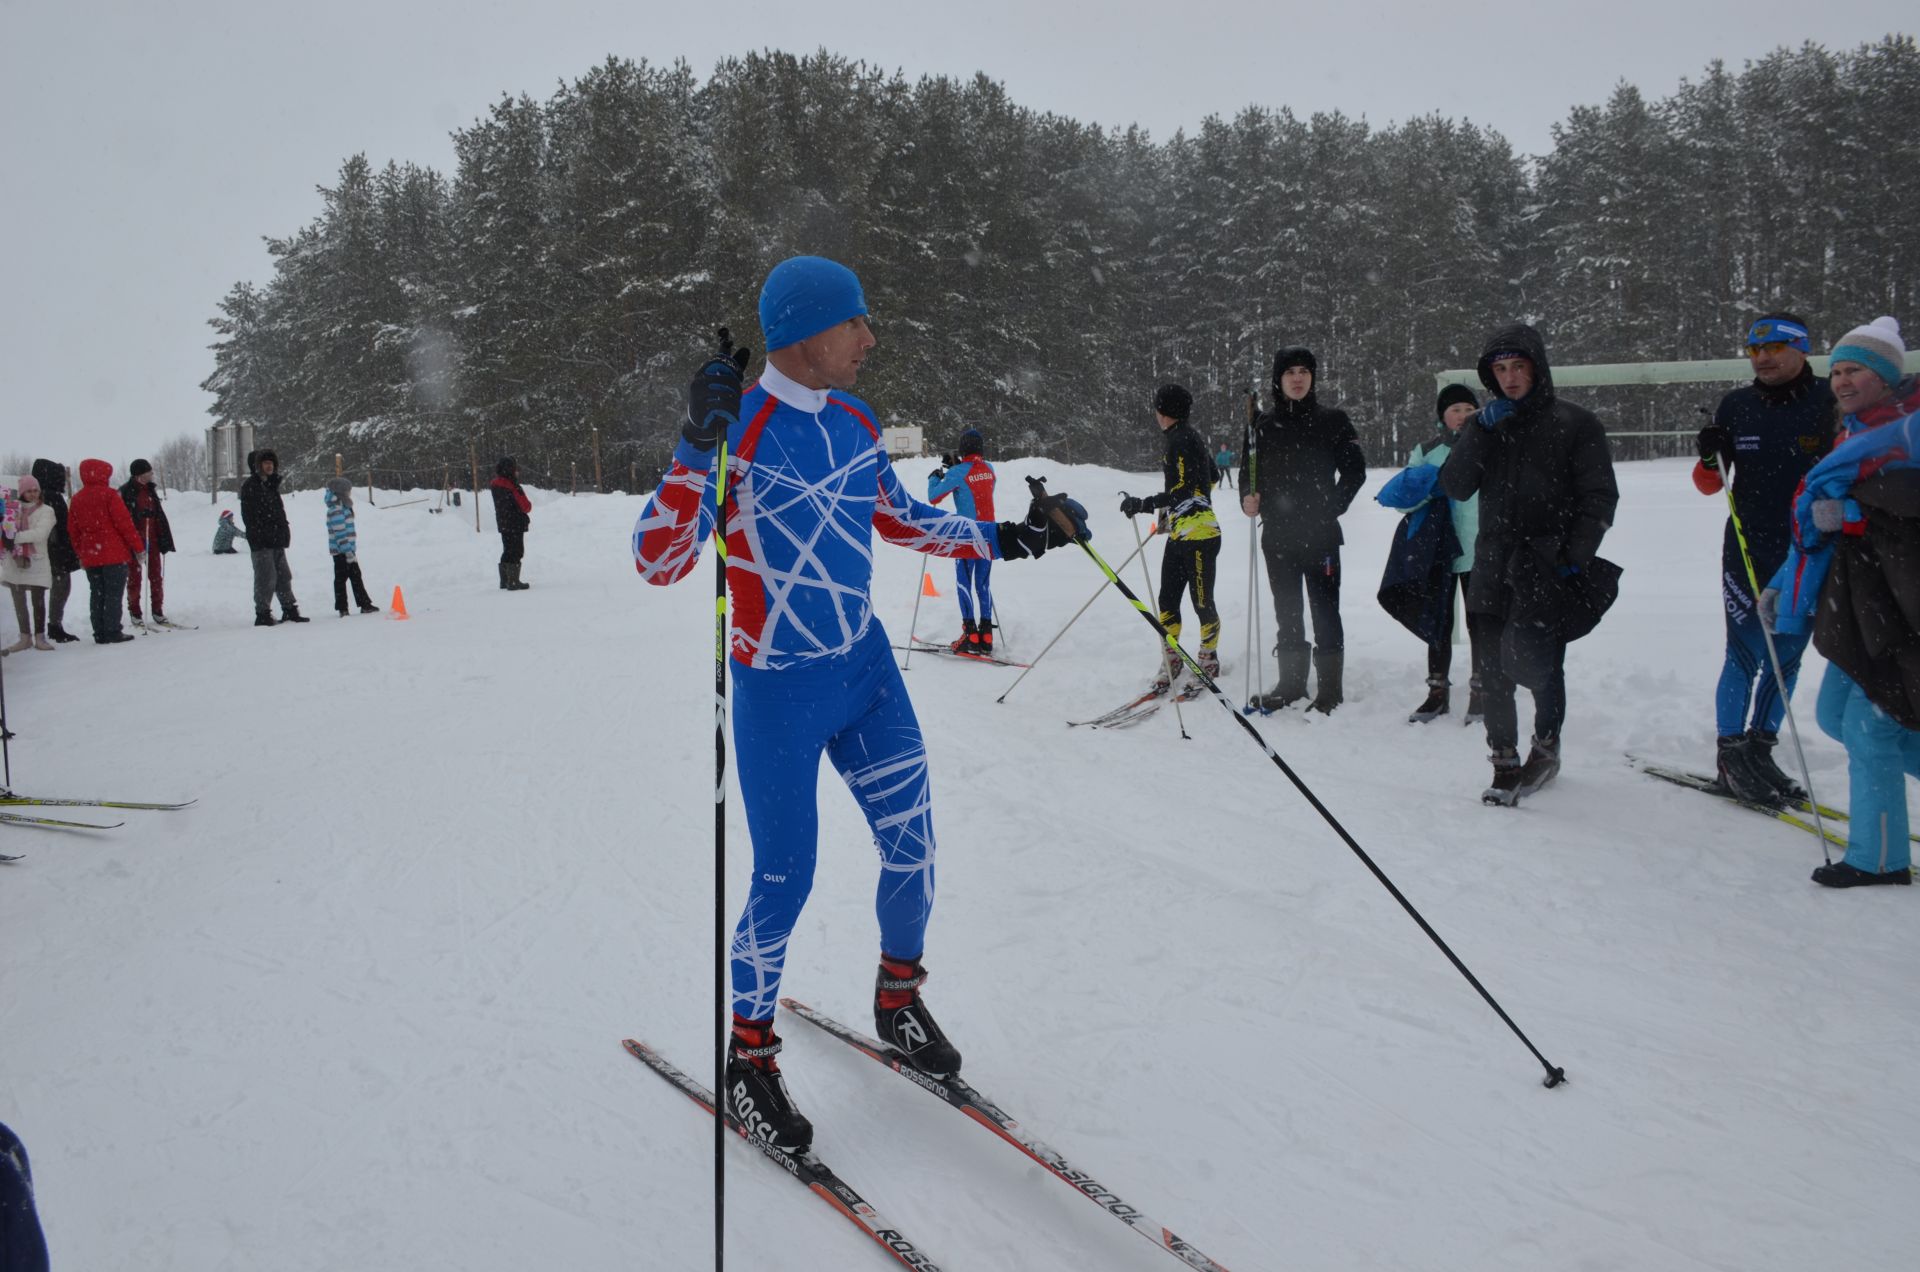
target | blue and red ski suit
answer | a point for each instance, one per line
(808, 482)
(971, 483)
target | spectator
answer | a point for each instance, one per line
(150, 519)
(344, 545)
(269, 536)
(23, 1246)
(106, 542)
(225, 531)
(60, 555)
(1545, 479)
(24, 568)
(510, 516)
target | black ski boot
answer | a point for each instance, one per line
(1328, 669)
(1476, 712)
(1439, 701)
(903, 1022)
(1734, 771)
(969, 642)
(1542, 766)
(1505, 790)
(1292, 685)
(756, 1093)
(1760, 759)
(1841, 875)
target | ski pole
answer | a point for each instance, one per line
(1773, 657)
(1155, 529)
(1140, 551)
(913, 624)
(1253, 538)
(1555, 1075)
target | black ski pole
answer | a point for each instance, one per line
(1037, 485)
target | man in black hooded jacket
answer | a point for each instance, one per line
(1545, 479)
(268, 535)
(1303, 467)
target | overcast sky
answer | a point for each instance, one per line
(149, 144)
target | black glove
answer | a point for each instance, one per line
(1133, 505)
(949, 461)
(1716, 446)
(713, 399)
(940, 474)
(1040, 531)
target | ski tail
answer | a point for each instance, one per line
(23, 819)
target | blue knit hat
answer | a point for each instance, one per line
(1877, 347)
(805, 295)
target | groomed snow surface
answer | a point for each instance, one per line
(361, 1006)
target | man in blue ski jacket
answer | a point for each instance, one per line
(970, 480)
(808, 484)
(1768, 433)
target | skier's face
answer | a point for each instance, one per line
(835, 356)
(1776, 363)
(1855, 387)
(1166, 421)
(1514, 376)
(1296, 383)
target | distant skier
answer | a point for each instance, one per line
(150, 519)
(970, 480)
(1415, 488)
(268, 535)
(808, 484)
(225, 531)
(1223, 466)
(344, 545)
(1769, 433)
(512, 516)
(1192, 559)
(1302, 468)
(1547, 494)
(1853, 576)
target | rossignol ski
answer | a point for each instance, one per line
(805, 1167)
(1701, 782)
(29, 801)
(968, 1100)
(23, 819)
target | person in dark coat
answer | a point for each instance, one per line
(23, 1246)
(511, 516)
(150, 519)
(1303, 466)
(1547, 494)
(268, 536)
(60, 554)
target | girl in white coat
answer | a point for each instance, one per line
(24, 568)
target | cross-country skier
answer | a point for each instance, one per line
(1769, 433)
(808, 483)
(1193, 540)
(970, 480)
(1547, 493)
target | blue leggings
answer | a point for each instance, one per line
(1880, 751)
(855, 709)
(970, 579)
(1746, 660)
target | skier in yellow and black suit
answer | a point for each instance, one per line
(1193, 532)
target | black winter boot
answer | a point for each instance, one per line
(1734, 772)
(1328, 666)
(1542, 766)
(292, 614)
(1292, 685)
(1505, 790)
(513, 578)
(1842, 875)
(1760, 759)
(60, 634)
(757, 1096)
(506, 583)
(262, 619)
(903, 1022)
(1439, 701)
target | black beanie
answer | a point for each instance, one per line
(971, 442)
(138, 467)
(1294, 356)
(1173, 402)
(1451, 394)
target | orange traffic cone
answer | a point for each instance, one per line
(399, 603)
(926, 585)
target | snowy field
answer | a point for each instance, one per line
(361, 1006)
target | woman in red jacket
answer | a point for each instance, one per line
(103, 536)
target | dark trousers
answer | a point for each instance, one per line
(1289, 574)
(513, 546)
(57, 599)
(345, 572)
(1440, 653)
(106, 589)
(1497, 688)
(1190, 565)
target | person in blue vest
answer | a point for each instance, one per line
(808, 485)
(1767, 434)
(970, 480)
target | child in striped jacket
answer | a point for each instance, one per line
(342, 542)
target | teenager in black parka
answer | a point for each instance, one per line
(60, 554)
(1303, 467)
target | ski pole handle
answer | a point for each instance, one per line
(1037, 486)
